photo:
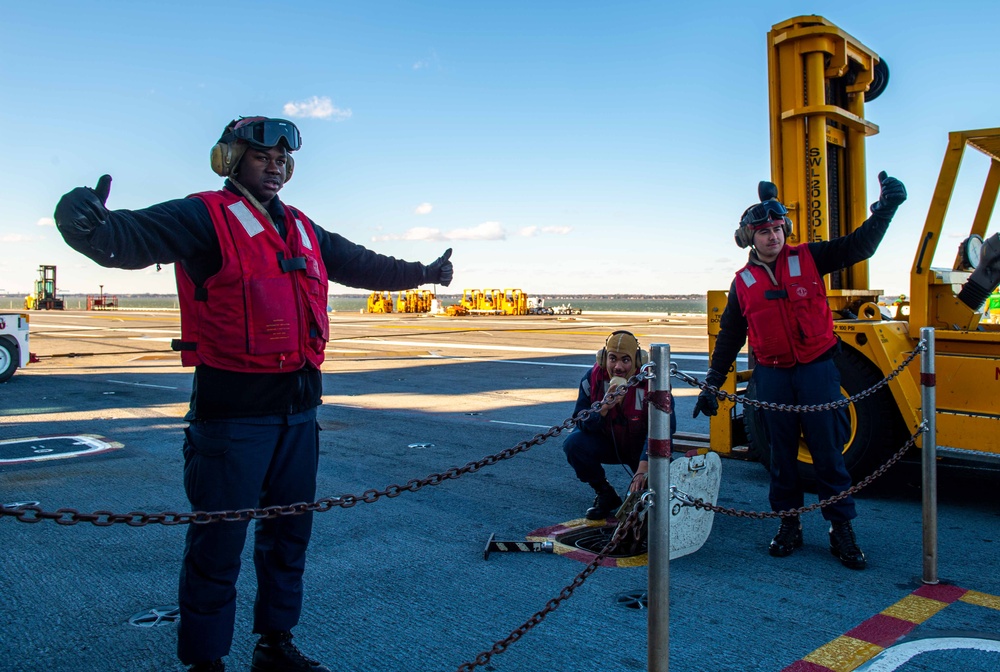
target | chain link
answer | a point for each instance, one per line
(630, 525)
(32, 513)
(687, 500)
(791, 408)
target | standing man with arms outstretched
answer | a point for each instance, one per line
(778, 300)
(252, 279)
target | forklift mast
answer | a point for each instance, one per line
(820, 78)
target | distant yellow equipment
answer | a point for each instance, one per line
(493, 302)
(409, 301)
(380, 302)
(415, 301)
(44, 297)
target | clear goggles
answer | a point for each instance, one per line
(763, 213)
(269, 132)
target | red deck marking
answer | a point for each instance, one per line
(881, 629)
(806, 666)
(941, 593)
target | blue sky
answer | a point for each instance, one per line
(557, 146)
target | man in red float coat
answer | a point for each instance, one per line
(252, 278)
(779, 300)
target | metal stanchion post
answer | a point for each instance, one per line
(658, 594)
(929, 456)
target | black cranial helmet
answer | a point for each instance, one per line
(760, 214)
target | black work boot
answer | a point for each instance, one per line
(606, 502)
(211, 666)
(788, 538)
(844, 545)
(276, 653)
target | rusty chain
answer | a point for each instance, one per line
(807, 408)
(103, 518)
(630, 522)
(33, 513)
(699, 503)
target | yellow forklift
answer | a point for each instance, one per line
(414, 301)
(380, 302)
(820, 79)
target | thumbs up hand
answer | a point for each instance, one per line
(82, 210)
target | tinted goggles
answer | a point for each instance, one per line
(763, 213)
(269, 132)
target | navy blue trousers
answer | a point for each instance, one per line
(825, 433)
(232, 465)
(586, 452)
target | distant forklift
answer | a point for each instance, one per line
(45, 297)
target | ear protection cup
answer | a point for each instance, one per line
(743, 236)
(290, 166)
(224, 156)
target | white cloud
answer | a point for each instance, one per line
(45, 221)
(15, 238)
(532, 231)
(484, 231)
(316, 108)
(423, 209)
(431, 61)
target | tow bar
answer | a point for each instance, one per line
(515, 547)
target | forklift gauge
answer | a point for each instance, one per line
(969, 251)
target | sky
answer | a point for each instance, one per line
(557, 146)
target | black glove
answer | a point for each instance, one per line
(708, 402)
(892, 194)
(440, 271)
(82, 210)
(985, 278)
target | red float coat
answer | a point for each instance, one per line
(265, 310)
(628, 421)
(788, 319)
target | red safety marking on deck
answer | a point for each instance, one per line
(941, 592)
(883, 630)
(551, 533)
(805, 666)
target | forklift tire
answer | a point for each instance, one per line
(8, 360)
(877, 429)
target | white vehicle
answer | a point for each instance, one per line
(13, 343)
